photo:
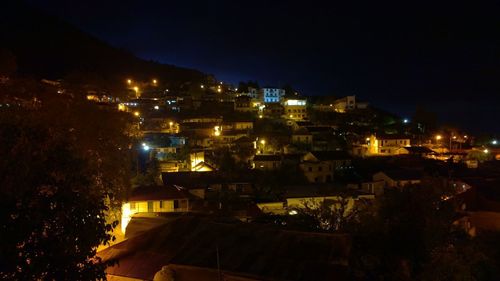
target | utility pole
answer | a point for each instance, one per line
(219, 273)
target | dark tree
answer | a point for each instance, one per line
(53, 211)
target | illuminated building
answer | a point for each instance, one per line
(295, 109)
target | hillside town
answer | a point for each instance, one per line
(156, 142)
(249, 152)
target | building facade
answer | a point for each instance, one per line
(272, 95)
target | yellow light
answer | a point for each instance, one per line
(202, 86)
(263, 141)
(129, 81)
(170, 123)
(438, 137)
(367, 139)
(260, 116)
(217, 133)
(486, 151)
(454, 137)
(465, 136)
(136, 89)
(291, 115)
(154, 81)
(219, 90)
(121, 107)
(137, 113)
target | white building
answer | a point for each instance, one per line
(270, 95)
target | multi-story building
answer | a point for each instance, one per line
(295, 109)
(341, 105)
(253, 93)
(243, 104)
(272, 95)
(387, 144)
(319, 166)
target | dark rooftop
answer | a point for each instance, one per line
(267, 157)
(259, 250)
(145, 193)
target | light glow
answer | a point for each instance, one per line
(295, 102)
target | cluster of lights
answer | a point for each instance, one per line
(145, 147)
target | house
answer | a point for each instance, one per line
(342, 105)
(155, 199)
(421, 151)
(295, 109)
(273, 110)
(399, 177)
(253, 93)
(272, 95)
(312, 196)
(387, 145)
(187, 247)
(267, 161)
(173, 165)
(319, 166)
(243, 104)
(199, 184)
(302, 136)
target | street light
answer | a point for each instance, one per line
(154, 81)
(439, 137)
(486, 150)
(156, 107)
(137, 113)
(405, 121)
(129, 81)
(494, 142)
(263, 142)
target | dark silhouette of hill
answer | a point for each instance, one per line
(47, 47)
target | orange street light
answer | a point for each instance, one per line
(438, 137)
(129, 81)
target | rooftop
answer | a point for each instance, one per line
(145, 193)
(258, 250)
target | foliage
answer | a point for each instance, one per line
(411, 229)
(150, 177)
(53, 207)
(326, 215)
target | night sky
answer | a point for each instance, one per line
(396, 55)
